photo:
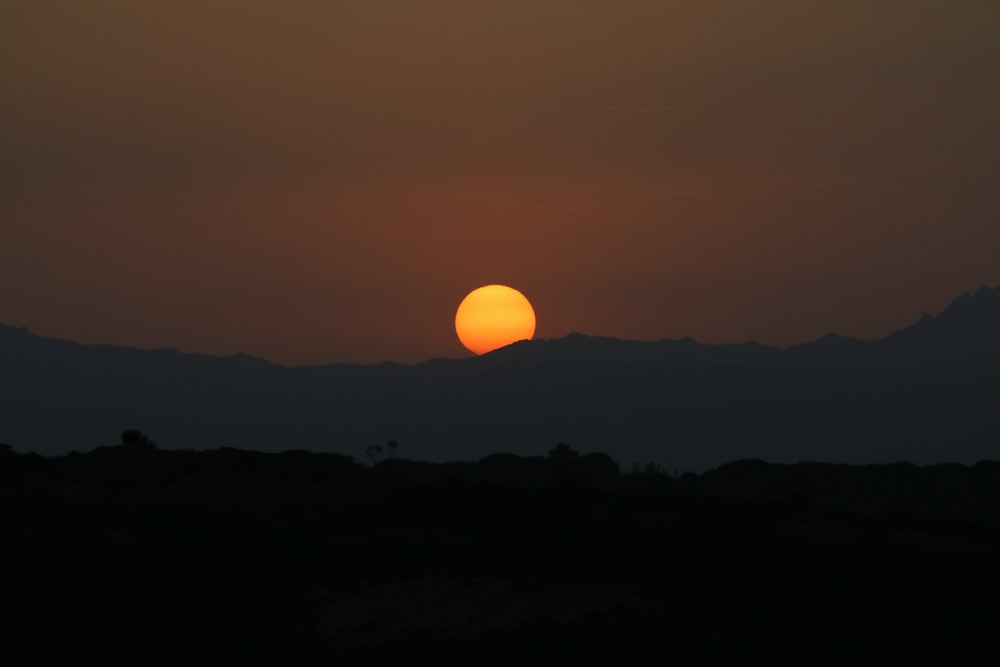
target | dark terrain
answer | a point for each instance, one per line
(130, 554)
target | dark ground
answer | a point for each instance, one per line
(135, 555)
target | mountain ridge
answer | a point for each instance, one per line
(925, 394)
(968, 327)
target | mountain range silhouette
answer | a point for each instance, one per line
(927, 393)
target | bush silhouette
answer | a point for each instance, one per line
(136, 438)
(563, 452)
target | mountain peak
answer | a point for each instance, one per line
(968, 328)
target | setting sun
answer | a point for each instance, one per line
(493, 316)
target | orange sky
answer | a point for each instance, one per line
(324, 181)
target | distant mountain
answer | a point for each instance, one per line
(927, 393)
(967, 331)
(578, 348)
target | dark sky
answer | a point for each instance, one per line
(320, 180)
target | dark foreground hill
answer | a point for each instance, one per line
(135, 555)
(926, 394)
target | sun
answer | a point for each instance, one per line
(493, 316)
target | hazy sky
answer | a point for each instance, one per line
(322, 180)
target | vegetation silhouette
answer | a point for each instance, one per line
(563, 452)
(135, 438)
(166, 556)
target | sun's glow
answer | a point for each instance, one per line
(493, 316)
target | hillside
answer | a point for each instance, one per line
(925, 394)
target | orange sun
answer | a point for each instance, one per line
(494, 316)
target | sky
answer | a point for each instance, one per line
(320, 181)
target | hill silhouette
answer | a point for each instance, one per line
(924, 394)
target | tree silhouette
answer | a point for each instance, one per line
(374, 452)
(391, 446)
(133, 437)
(563, 452)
